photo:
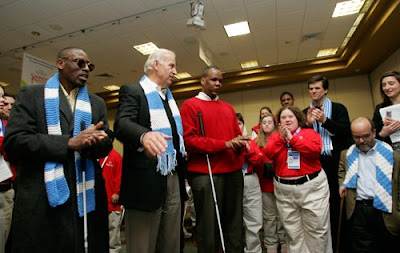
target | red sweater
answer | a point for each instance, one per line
(255, 160)
(5, 155)
(112, 171)
(220, 125)
(307, 142)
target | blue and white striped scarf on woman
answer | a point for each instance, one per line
(384, 170)
(159, 123)
(325, 136)
(56, 184)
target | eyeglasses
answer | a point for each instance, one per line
(364, 137)
(81, 63)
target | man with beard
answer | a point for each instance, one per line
(369, 179)
(56, 131)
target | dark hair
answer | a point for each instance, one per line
(206, 69)
(286, 93)
(301, 118)
(239, 117)
(314, 79)
(395, 74)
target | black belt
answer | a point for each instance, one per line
(365, 202)
(249, 173)
(297, 181)
(5, 187)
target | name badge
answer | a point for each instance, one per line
(293, 160)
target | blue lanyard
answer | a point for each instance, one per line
(2, 127)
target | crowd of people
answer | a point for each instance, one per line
(288, 179)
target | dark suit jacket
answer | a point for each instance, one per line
(142, 187)
(392, 221)
(37, 226)
(339, 125)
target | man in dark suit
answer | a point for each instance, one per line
(331, 121)
(369, 179)
(148, 123)
(55, 132)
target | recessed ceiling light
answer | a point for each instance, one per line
(111, 87)
(146, 48)
(183, 75)
(327, 52)
(347, 8)
(4, 84)
(249, 64)
(237, 29)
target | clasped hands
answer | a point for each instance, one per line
(88, 137)
(315, 114)
(238, 143)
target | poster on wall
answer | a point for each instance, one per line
(36, 70)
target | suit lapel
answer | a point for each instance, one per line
(65, 113)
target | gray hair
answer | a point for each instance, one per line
(157, 55)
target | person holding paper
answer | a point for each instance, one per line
(389, 124)
(300, 184)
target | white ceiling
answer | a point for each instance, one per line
(277, 30)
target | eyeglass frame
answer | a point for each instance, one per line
(78, 62)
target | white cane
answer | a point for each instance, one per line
(212, 187)
(83, 167)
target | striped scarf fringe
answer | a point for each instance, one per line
(56, 184)
(384, 170)
(159, 122)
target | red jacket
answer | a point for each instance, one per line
(220, 125)
(255, 160)
(307, 142)
(112, 171)
(4, 124)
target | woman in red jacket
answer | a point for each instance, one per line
(274, 234)
(300, 184)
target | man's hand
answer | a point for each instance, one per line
(342, 191)
(88, 137)
(318, 115)
(237, 143)
(115, 198)
(154, 143)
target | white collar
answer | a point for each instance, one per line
(205, 97)
(158, 88)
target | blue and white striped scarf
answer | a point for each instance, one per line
(159, 122)
(325, 136)
(56, 184)
(384, 170)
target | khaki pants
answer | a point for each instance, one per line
(304, 211)
(6, 209)
(114, 231)
(159, 230)
(252, 213)
(274, 234)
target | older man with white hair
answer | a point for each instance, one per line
(149, 125)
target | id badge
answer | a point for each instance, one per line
(293, 160)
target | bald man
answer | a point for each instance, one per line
(368, 179)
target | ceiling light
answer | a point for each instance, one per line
(347, 8)
(327, 52)
(111, 87)
(183, 75)
(237, 29)
(146, 48)
(4, 84)
(249, 64)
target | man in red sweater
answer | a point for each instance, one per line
(112, 169)
(223, 143)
